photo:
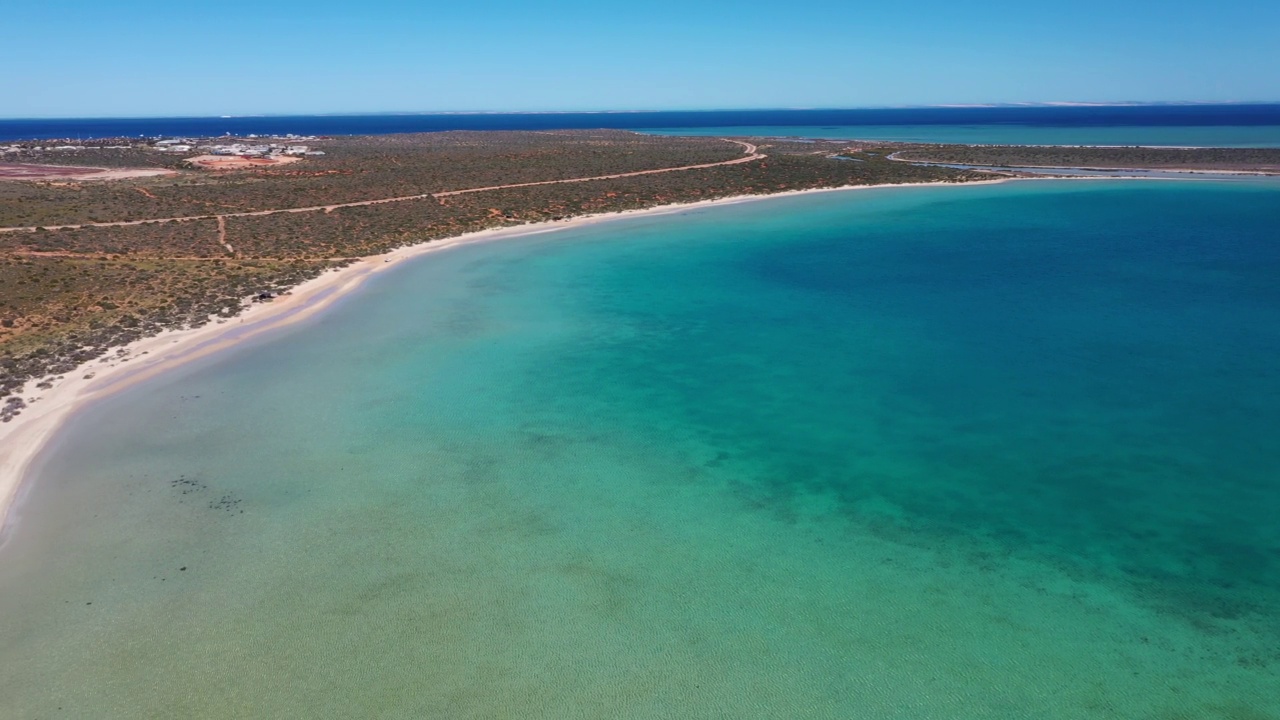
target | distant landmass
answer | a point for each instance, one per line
(1057, 116)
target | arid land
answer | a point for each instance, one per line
(1202, 160)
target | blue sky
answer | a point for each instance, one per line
(68, 58)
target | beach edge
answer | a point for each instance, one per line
(26, 436)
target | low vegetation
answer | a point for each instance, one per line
(1221, 159)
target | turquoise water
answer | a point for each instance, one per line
(966, 452)
(1266, 136)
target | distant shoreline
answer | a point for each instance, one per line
(24, 437)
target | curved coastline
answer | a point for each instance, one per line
(26, 436)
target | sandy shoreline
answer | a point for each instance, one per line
(22, 439)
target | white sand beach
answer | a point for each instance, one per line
(22, 438)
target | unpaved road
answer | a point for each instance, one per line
(751, 153)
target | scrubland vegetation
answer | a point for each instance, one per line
(1207, 159)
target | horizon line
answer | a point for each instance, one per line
(1060, 104)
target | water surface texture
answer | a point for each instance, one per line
(1223, 125)
(982, 452)
(1012, 133)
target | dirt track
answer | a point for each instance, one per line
(751, 151)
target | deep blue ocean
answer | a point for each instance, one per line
(944, 453)
(1256, 125)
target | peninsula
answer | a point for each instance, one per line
(109, 241)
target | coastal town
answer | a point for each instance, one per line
(250, 148)
(271, 148)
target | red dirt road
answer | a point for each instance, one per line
(751, 153)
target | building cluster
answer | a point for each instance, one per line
(287, 136)
(249, 146)
(175, 145)
(241, 149)
(267, 150)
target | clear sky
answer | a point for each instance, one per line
(70, 58)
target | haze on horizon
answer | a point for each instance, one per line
(74, 58)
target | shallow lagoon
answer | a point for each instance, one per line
(990, 452)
